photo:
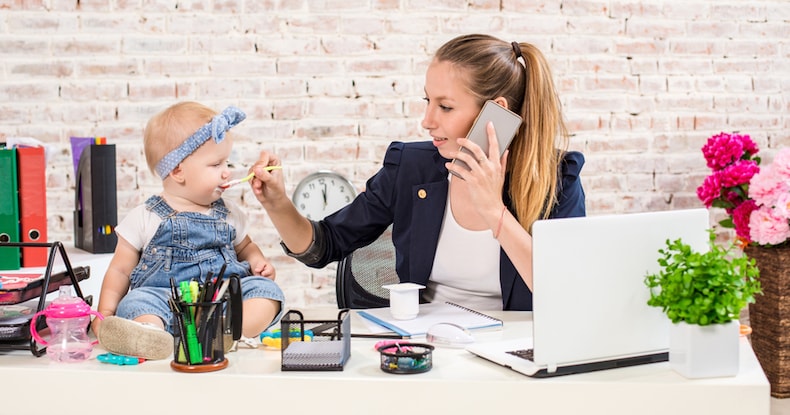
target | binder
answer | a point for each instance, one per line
(9, 208)
(31, 170)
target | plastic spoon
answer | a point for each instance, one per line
(247, 178)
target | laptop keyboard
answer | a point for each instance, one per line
(524, 354)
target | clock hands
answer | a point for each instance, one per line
(322, 193)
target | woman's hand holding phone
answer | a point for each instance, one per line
(505, 123)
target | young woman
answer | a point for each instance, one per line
(468, 237)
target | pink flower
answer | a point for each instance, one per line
(756, 199)
(770, 190)
(768, 228)
(710, 190)
(782, 205)
(740, 218)
(782, 163)
(724, 149)
(766, 185)
(738, 173)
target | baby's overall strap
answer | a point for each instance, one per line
(219, 210)
(158, 205)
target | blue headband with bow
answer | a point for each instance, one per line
(217, 127)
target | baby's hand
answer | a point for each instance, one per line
(264, 269)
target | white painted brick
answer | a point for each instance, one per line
(643, 84)
(594, 24)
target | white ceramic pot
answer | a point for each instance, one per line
(704, 351)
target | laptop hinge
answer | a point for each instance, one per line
(551, 368)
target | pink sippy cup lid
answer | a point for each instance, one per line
(67, 305)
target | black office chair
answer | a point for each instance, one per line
(361, 274)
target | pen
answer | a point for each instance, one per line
(208, 288)
(209, 333)
(222, 289)
(379, 336)
(173, 289)
(218, 283)
(183, 349)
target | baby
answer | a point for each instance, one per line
(185, 233)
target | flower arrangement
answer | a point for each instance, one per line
(757, 199)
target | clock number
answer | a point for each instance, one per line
(334, 191)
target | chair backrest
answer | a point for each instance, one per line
(361, 274)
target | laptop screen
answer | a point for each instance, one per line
(590, 300)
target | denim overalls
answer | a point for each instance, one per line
(186, 246)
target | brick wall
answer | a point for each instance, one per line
(328, 84)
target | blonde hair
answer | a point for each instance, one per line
(168, 129)
(491, 69)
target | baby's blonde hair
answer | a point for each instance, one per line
(168, 129)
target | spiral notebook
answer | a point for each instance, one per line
(430, 314)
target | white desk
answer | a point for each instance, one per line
(459, 383)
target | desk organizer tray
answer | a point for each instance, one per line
(315, 345)
(15, 320)
(17, 287)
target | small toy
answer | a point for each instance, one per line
(118, 359)
(273, 338)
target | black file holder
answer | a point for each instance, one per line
(95, 200)
(327, 348)
(75, 275)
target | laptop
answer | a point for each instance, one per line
(590, 307)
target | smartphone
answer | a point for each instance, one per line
(506, 124)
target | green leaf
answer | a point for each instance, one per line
(703, 287)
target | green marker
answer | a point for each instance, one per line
(195, 351)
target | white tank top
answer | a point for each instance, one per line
(466, 267)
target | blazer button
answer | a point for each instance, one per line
(422, 194)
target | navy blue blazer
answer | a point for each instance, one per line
(410, 192)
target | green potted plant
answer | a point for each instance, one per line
(703, 293)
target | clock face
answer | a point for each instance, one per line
(322, 193)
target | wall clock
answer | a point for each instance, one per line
(322, 193)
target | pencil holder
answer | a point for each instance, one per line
(199, 339)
